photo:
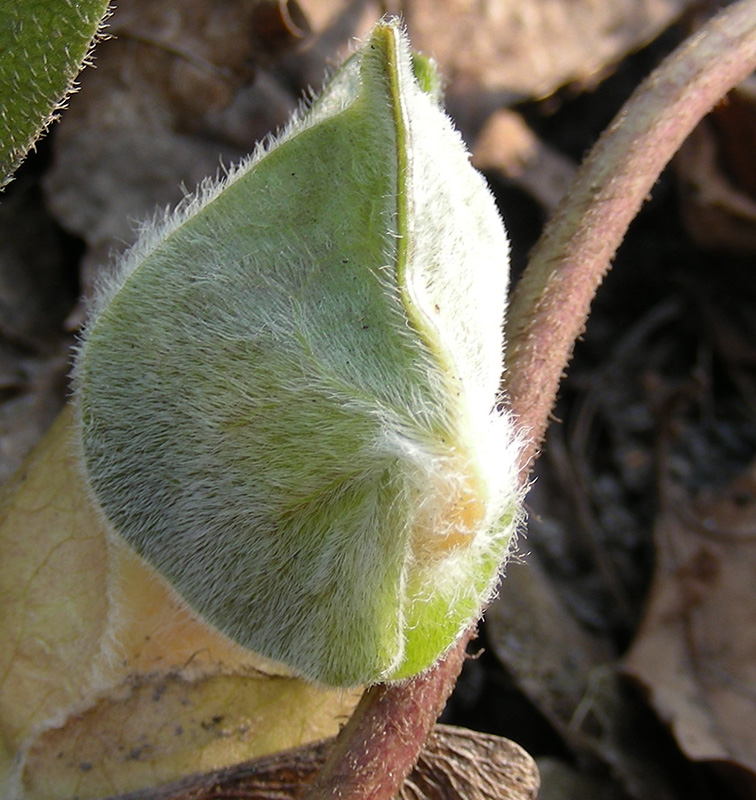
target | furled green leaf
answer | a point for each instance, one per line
(288, 397)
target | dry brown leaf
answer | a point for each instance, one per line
(495, 53)
(532, 633)
(569, 676)
(508, 50)
(455, 764)
(696, 651)
(178, 90)
(735, 120)
(717, 174)
(508, 147)
(108, 682)
(459, 764)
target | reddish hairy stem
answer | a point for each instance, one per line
(381, 742)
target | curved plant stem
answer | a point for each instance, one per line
(381, 742)
(386, 733)
(550, 304)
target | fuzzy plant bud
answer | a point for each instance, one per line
(288, 396)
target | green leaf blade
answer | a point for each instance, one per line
(274, 411)
(43, 44)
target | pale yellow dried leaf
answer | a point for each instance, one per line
(696, 652)
(108, 682)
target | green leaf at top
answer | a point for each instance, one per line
(43, 44)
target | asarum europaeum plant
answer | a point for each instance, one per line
(288, 395)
